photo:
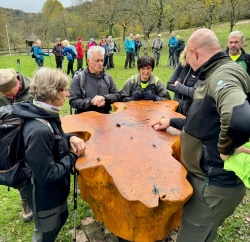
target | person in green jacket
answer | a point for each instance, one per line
(216, 127)
(14, 87)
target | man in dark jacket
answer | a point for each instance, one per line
(14, 87)
(236, 52)
(178, 48)
(215, 128)
(99, 90)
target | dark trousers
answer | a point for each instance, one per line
(129, 59)
(106, 62)
(207, 209)
(39, 63)
(111, 61)
(79, 63)
(176, 58)
(59, 61)
(70, 67)
(49, 222)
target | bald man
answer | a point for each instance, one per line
(217, 125)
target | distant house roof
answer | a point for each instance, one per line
(31, 37)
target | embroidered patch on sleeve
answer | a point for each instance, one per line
(220, 85)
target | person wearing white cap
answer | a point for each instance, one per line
(157, 46)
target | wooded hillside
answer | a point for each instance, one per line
(117, 18)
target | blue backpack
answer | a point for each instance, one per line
(73, 51)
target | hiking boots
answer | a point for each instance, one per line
(27, 212)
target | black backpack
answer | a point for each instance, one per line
(181, 45)
(14, 171)
(115, 47)
(32, 51)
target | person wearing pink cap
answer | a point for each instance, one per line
(80, 53)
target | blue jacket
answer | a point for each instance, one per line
(67, 52)
(129, 45)
(39, 54)
(172, 41)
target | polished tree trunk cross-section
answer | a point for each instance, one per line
(129, 175)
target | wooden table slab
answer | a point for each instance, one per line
(128, 175)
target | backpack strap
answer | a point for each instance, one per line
(107, 80)
(82, 76)
(55, 136)
(134, 82)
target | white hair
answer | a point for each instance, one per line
(95, 49)
(236, 33)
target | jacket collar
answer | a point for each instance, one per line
(201, 71)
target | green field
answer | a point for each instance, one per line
(13, 229)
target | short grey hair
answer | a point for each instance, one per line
(236, 33)
(46, 84)
(95, 49)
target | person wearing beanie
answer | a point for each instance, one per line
(14, 87)
(80, 53)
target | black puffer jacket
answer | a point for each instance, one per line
(184, 90)
(51, 169)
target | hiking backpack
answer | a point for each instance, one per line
(82, 76)
(181, 45)
(73, 51)
(115, 47)
(14, 171)
(32, 52)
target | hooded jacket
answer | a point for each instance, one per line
(79, 49)
(49, 161)
(94, 85)
(22, 95)
(217, 121)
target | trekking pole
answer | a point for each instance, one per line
(50, 61)
(75, 202)
(18, 65)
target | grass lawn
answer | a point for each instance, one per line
(13, 229)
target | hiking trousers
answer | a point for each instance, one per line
(207, 209)
(129, 59)
(157, 56)
(49, 222)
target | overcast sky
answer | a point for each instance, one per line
(30, 6)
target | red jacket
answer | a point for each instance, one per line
(79, 49)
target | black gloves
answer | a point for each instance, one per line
(137, 96)
(149, 96)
